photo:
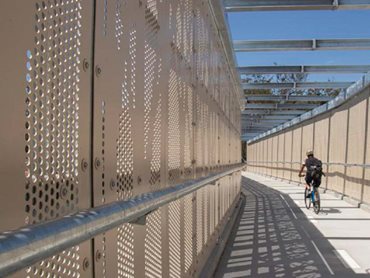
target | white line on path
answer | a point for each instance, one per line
(322, 258)
(348, 259)
(307, 234)
(295, 216)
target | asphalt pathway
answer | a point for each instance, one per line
(276, 236)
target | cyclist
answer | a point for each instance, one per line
(314, 171)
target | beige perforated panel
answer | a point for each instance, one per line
(174, 126)
(65, 264)
(205, 214)
(355, 153)
(152, 94)
(199, 138)
(199, 219)
(127, 96)
(297, 150)
(187, 106)
(125, 243)
(211, 209)
(153, 245)
(175, 238)
(188, 232)
(119, 27)
(217, 203)
(119, 99)
(125, 155)
(52, 111)
(52, 124)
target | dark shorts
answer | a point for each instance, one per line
(316, 182)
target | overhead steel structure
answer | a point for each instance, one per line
(279, 106)
(301, 45)
(297, 85)
(268, 104)
(304, 69)
(307, 98)
(268, 117)
(281, 5)
(272, 112)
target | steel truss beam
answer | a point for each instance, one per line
(299, 85)
(262, 125)
(262, 130)
(284, 5)
(262, 120)
(273, 112)
(250, 134)
(259, 131)
(304, 69)
(288, 98)
(266, 123)
(245, 137)
(255, 130)
(267, 117)
(280, 106)
(301, 45)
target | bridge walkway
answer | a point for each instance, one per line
(276, 236)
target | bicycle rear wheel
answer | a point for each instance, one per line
(307, 201)
(316, 204)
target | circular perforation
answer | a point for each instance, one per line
(52, 124)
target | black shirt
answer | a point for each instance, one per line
(311, 161)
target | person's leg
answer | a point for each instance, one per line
(316, 182)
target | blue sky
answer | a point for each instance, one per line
(303, 25)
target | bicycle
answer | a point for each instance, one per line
(313, 199)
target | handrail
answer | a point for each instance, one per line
(31, 244)
(324, 163)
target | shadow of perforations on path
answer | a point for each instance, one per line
(267, 241)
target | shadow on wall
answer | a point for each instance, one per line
(269, 242)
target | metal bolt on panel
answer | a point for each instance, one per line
(112, 184)
(84, 165)
(85, 65)
(98, 255)
(97, 163)
(85, 264)
(98, 71)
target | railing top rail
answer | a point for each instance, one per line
(26, 246)
(324, 163)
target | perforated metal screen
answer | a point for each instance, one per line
(106, 100)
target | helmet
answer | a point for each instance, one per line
(309, 152)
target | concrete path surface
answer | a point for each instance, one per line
(276, 236)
